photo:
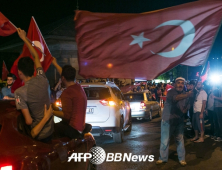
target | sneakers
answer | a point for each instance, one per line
(183, 163)
(159, 162)
(218, 139)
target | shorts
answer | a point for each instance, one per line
(196, 122)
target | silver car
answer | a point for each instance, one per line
(142, 105)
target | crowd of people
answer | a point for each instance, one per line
(33, 99)
(194, 101)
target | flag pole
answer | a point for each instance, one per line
(28, 39)
(41, 34)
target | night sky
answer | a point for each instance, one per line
(46, 12)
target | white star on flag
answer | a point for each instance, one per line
(139, 40)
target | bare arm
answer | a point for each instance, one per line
(202, 109)
(57, 85)
(27, 116)
(57, 66)
(183, 96)
(218, 98)
(203, 106)
(22, 35)
(47, 115)
(58, 114)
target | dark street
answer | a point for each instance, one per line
(145, 140)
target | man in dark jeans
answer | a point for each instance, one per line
(74, 103)
(218, 109)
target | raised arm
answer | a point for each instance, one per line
(57, 66)
(22, 35)
(183, 96)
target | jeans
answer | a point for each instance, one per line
(63, 129)
(218, 121)
(166, 131)
(211, 115)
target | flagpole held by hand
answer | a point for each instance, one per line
(29, 40)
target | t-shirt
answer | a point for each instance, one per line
(172, 111)
(33, 96)
(74, 103)
(200, 96)
(218, 93)
(210, 102)
(7, 92)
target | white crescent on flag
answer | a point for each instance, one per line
(41, 47)
(189, 34)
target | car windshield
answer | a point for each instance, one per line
(97, 93)
(133, 97)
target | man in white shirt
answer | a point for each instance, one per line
(198, 115)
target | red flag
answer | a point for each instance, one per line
(145, 45)
(45, 56)
(4, 71)
(6, 27)
(204, 77)
(168, 88)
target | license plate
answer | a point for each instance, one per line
(89, 110)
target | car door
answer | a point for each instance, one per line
(121, 103)
(151, 103)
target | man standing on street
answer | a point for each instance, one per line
(173, 121)
(198, 115)
(218, 109)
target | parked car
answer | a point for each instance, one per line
(107, 111)
(21, 152)
(142, 105)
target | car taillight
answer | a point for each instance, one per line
(58, 103)
(106, 102)
(142, 105)
(9, 167)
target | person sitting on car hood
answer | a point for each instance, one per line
(74, 103)
(32, 97)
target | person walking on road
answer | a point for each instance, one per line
(198, 115)
(173, 121)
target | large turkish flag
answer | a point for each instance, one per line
(41, 47)
(145, 45)
(6, 28)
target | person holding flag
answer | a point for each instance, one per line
(33, 97)
(173, 121)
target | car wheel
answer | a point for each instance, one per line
(151, 117)
(129, 123)
(91, 166)
(118, 137)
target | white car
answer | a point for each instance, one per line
(107, 111)
(142, 105)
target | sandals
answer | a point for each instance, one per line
(199, 141)
(194, 139)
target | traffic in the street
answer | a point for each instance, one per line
(110, 85)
